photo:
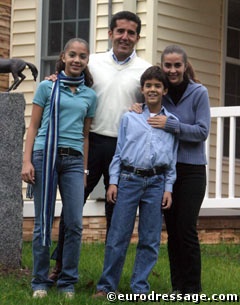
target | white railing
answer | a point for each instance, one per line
(216, 162)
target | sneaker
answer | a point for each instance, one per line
(69, 294)
(100, 294)
(39, 294)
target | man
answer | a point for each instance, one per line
(116, 74)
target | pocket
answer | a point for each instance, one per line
(37, 159)
(37, 154)
(160, 178)
(125, 176)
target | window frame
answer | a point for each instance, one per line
(232, 61)
(45, 59)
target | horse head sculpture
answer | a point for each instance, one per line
(16, 66)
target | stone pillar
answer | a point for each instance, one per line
(12, 127)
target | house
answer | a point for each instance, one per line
(208, 30)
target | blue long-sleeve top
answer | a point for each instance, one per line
(142, 146)
(193, 124)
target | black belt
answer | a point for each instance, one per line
(68, 151)
(158, 170)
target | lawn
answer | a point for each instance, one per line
(220, 275)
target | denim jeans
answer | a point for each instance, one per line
(69, 178)
(134, 192)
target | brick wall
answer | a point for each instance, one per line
(5, 13)
(212, 230)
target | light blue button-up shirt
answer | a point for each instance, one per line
(124, 61)
(142, 146)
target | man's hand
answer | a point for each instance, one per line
(52, 77)
(136, 107)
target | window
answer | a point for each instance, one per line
(232, 82)
(62, 20)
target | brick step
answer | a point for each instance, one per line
(211, 229)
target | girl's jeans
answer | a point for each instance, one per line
(69, 178)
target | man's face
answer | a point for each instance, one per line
(124, 38)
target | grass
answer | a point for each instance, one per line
(220, 275)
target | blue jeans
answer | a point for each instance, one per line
(134, 192)
(69, 178)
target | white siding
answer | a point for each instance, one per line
(23, 41)
(197, 26)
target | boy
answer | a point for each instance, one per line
(142, 174)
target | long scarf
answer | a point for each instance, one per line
(50, 155)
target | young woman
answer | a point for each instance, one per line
(56, 155)
(188, 100)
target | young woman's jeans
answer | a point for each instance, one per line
(133, 192)
(181, 222)
(69, 178)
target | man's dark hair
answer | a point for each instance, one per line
(154, 72)
(128, 16)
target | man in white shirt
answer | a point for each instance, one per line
(116, 76)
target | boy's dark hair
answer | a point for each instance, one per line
(128, 16)
(154, 72)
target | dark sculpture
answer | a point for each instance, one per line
(16, 66)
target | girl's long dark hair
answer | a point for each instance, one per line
(189, 73)
(60, 65)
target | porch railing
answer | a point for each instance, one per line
(217, 198)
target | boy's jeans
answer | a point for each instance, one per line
(133, 192)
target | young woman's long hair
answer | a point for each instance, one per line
(60, 65)
(189, 73)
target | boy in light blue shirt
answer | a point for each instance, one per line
(142, 174)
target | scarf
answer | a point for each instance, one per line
(49, 157)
